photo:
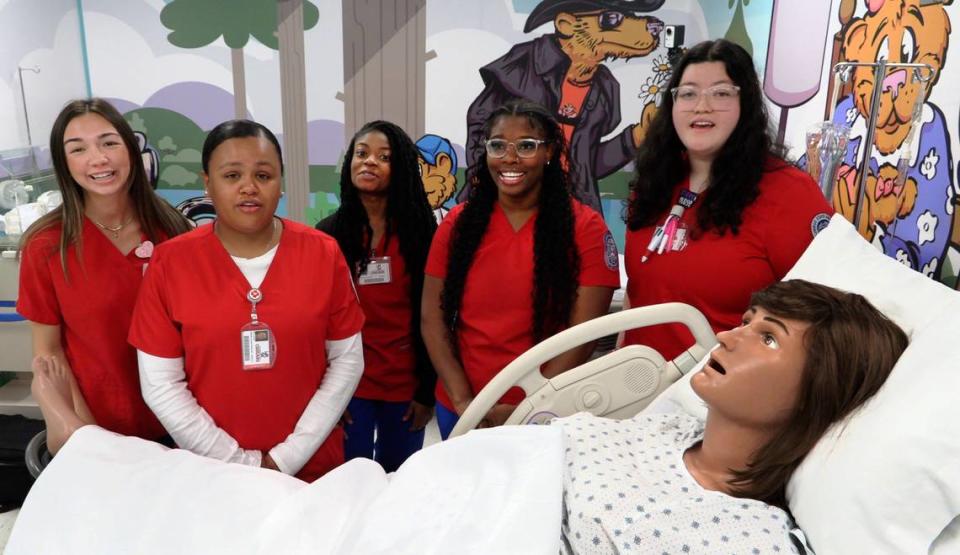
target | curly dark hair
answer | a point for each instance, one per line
(556, 264)
(750, 151)
(408, 216)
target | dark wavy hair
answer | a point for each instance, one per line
(851, 348)
(735, 173)
(409, 217)
(556, 262)
(158, 220)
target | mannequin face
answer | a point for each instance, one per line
(754, 375)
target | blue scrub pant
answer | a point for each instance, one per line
(394, 440)
(446, 420)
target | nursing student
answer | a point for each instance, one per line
(384, 226)
(82, 265)
(518, 262)
(715, 211)
(248, 330)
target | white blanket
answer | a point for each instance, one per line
(490, 491)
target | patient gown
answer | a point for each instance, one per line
(627, 490)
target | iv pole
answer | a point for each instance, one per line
(879, 73)
(26, 116)
(23, 97)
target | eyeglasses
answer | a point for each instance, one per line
(722, 97)
(525, 148)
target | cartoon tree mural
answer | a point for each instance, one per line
(737, 32)
(179, 141)
(384, 63)
(278, 25)
(197, 23)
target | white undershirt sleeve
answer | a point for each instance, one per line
(164, 387)
(344, 367)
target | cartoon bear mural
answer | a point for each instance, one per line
(438, 171)
(564, 71)
(909, 219)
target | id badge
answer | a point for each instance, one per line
(680, 238)
(378, 271)
(259, 348)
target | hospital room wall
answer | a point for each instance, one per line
(417, 63)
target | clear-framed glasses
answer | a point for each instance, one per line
(525, 148)
(721, 97)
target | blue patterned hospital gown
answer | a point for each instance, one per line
(627, 490)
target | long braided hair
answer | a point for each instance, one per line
(409, 215)
(409, 218)
(556, 264)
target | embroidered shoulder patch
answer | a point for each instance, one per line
(819, 223)
(610, 252)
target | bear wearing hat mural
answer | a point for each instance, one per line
(564, 72)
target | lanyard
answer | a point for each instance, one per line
(254, 296)
(665, 235)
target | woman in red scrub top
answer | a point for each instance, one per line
(82, 264)
(518, 262)
(384, 226)
(248, 330)
(742, 215)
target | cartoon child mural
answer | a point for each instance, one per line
(438, 170)
(909, 219)
(564, 71)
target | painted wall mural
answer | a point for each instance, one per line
(565, 71)
(438, 66)
(909, 218)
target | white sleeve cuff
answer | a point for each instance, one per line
(164, 387)
(344, 368)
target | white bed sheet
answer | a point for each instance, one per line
(491, 491)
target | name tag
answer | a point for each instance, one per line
(377, 271)
(259, 349)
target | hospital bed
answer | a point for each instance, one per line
(886, 480)
(617, 385)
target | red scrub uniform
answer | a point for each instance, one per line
(193, 304)
(496, 314)
(717, 273)
(93, 309)
(388, 352)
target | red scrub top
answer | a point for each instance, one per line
(93, 310)
(717, 273)
(496, 315)
(194, 302)
(388, 353)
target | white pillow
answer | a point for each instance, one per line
(887, 480)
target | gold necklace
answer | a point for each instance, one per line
(114, 229)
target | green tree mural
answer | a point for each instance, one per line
(179, 142)
(197, 23)
(737, 32)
